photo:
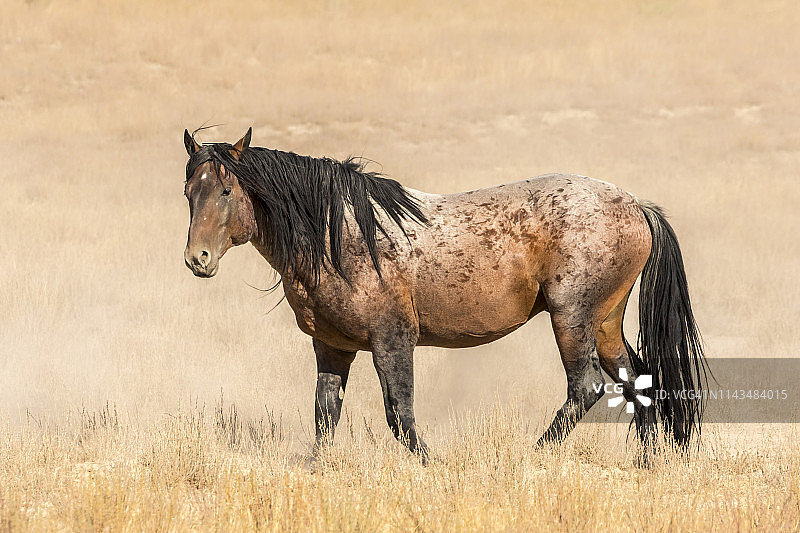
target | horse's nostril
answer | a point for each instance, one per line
(204, 257)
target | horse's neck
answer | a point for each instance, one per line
(262, 239)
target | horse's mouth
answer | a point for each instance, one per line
(208, 271)
(205, 274)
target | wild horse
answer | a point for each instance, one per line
(367, 264)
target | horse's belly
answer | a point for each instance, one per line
(447, 338)
(472, 315)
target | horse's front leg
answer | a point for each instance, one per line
(393, 356)
(333, 367)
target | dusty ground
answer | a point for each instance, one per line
(113, 357)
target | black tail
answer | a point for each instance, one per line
(669, 346)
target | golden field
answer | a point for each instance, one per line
(136, 397)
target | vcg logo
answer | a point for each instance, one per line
(645, 381)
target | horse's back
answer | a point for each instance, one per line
(486, 258)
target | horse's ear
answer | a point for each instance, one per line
(189, 143)
(242, 144)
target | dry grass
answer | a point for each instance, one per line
(195, 470)
(113, 357)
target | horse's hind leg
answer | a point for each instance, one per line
(575, 336)
(333, 367)
(393, 355)
(615, 354)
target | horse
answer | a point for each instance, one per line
(368, 264)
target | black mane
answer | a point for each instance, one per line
(305, 197)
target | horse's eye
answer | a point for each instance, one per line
(226, 191)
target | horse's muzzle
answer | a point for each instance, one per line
(201, 263)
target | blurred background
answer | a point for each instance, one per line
(692, 105)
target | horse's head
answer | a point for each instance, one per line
(220, 211)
